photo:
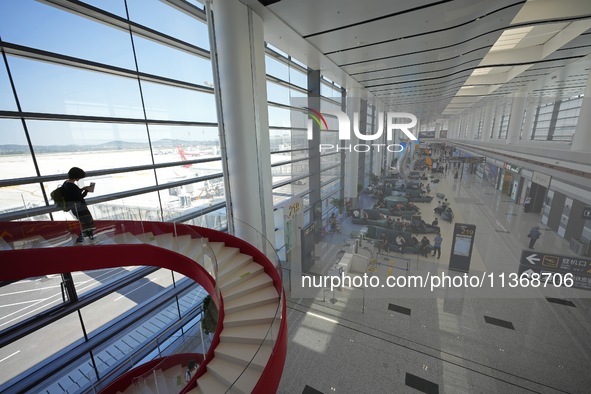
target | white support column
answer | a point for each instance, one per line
(244, 124)
(352, 158)
(582, 137)
(516, 117)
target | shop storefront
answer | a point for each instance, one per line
(511, 181)
(490, 173)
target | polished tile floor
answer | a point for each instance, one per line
(349, 341)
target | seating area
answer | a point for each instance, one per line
(375, 233)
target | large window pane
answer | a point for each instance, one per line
(162, 17)
(52, 88)
(60, 145)
(278, 93)
(107, 309)
(20, 197)
(298, 78)
(7, 102)
(116, 7)
(39, 25)
(191, 198)
(276, 68)
(141, 207)
(15, 157)
(279, 117)
(181, 143)
(217, 220)
(165, 102)
(34, 348)
(179, 65)
(33, 296)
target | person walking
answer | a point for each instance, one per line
(383, 243)
(333, 222)
(401, 242)
(437, 245)
(534, 235)
(74, 197)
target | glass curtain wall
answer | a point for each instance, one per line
(287, 79)
(557, 120)
(80, 89)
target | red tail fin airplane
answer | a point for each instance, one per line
(183, 157)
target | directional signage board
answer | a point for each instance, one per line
(573, 264)
(580, 268)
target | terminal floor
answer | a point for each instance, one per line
(349, 341)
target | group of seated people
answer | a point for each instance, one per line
(444, 210)
(401, 243)
(441, 206)
(399, 224)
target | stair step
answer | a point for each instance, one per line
(181, 243)
(127, 238)
(215, 246)
(208, 384)
(237, 262)
(229, 279)
(254, 334)
(244, 354)
(225, 255)
(141, 386)
(259, 315)
(247, 285)
(161, 382)
(165, 240)
(175, 377)
(147, 238)
(266, 295)
(195, 248)
(239, 379)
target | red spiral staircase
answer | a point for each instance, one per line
(248, 349)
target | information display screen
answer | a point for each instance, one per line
(461, 248)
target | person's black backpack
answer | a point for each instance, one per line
(58, 197)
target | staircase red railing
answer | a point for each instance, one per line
(25, 263)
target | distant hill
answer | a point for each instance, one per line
(13, 149)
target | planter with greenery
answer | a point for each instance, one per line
(210, 316)
(338, 203)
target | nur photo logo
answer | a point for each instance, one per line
(344, 126)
